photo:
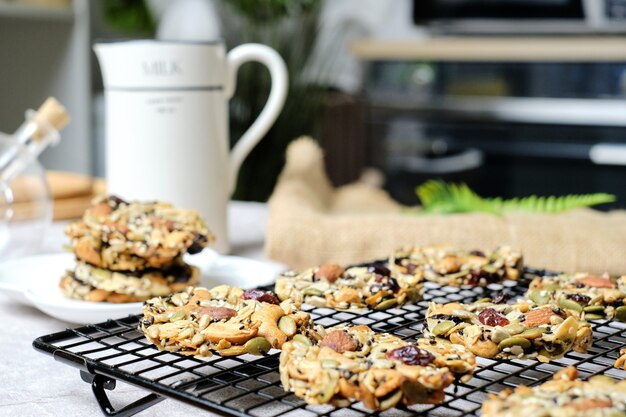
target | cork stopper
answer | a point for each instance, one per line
(51, 113)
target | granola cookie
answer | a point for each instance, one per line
(121, 236)
(379, 369)
(592, 297)
(88, 283)
(505, 331)
(227, 320)
(331, 285)
(447, 265)
(564, 395)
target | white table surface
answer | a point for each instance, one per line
(33, 384)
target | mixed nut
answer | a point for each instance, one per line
(589, 297)
(199, 321)
(447, 265)
(331, 285)
(564, 395)
(379, 369)
(505, 331)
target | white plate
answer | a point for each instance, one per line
(35, 281)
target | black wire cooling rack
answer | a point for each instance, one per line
(250, 385)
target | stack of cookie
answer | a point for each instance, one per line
(129, 252)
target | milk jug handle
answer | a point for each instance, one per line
(278, 92)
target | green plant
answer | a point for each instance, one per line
(130, 17)
(443, 198)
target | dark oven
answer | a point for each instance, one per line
(506, 129)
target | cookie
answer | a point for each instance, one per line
(447, 265)
(121, 236)
(564, 395)
(89, 283)
(379, 369)
(331, 285)
(224, 319)
(591, 297)
(504, 331)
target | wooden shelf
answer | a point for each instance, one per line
(496, 49)
(32, 12)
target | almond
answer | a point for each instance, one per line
(100, 210)
(339, 341)
(596, 282)
(538, 317)
(218, 313)
(330, 272)
(87, 253)
(448, 265)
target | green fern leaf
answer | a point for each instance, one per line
(440, 197)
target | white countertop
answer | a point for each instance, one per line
(33, 384)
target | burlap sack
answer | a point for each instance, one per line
(310, 223)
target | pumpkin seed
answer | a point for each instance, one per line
(570, 305)
(620, 313)
(257, 346)
(178, 315)
(592, 316)
(483, 300)
(514, 328)
(300, 338)
(287, 325)
(101, 273)
(594, 309)
(312, 291)
(442, 327)
(514, 341)
(551, 287)
(383, 305)
(390, 400)
(329, 363)
(532, 334)
(540, 297)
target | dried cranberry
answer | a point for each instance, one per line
(478, 253)
(501, 298)
(480, 275)
(491, 317)
(411, 355)
(260, 295)
(581, 299)
(379, 269)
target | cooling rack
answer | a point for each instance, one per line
(248, 385)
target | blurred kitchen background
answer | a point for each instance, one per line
(514, 97)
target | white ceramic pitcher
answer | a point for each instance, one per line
(167, 121)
